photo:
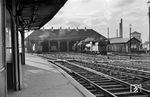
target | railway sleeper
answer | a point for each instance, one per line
(89, 87)
(112, 86)
(122, 93)
(103, 81)
(121, 89)
(93, 77)
(99, 80)
(111, 83)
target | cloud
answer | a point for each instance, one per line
(100, 14)
(58, 20)
(75, 24)
(122, 3)
(86, 1)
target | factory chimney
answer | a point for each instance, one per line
(121, 28)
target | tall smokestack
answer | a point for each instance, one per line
(121, 28)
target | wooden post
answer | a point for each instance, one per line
(49, 45)
(58, 46)
(23, 47)
(67, 45)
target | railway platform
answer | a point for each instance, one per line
(43, 79)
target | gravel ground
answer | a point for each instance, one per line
(140, 63)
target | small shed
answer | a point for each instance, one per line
(124, 45)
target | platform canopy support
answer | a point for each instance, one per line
(15, 48)
(22, 47)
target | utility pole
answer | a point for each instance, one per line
(149, 30)
(108, 41)
(130, 41)
(149, 23)
(108, 32)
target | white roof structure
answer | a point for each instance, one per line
(119, 40)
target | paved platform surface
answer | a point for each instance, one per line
(42, 79)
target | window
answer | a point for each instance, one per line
(133, 46)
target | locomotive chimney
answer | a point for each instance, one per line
(77, 29)
(52, 29)
(60, 28)
(85, 29)
(68, 28)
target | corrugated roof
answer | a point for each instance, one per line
(64, 34)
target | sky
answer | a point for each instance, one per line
(101, 14)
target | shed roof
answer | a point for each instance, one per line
(119, 40)
(64, 34)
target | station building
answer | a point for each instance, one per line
(59, 40)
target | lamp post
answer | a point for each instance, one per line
(149, 23)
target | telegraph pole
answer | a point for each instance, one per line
(149, 23)
(149, 29)
(130, 41)
(108, 41)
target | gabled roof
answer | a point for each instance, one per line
(135, 32)
(64, 34)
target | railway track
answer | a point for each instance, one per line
(126, 74)
(101, 85)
